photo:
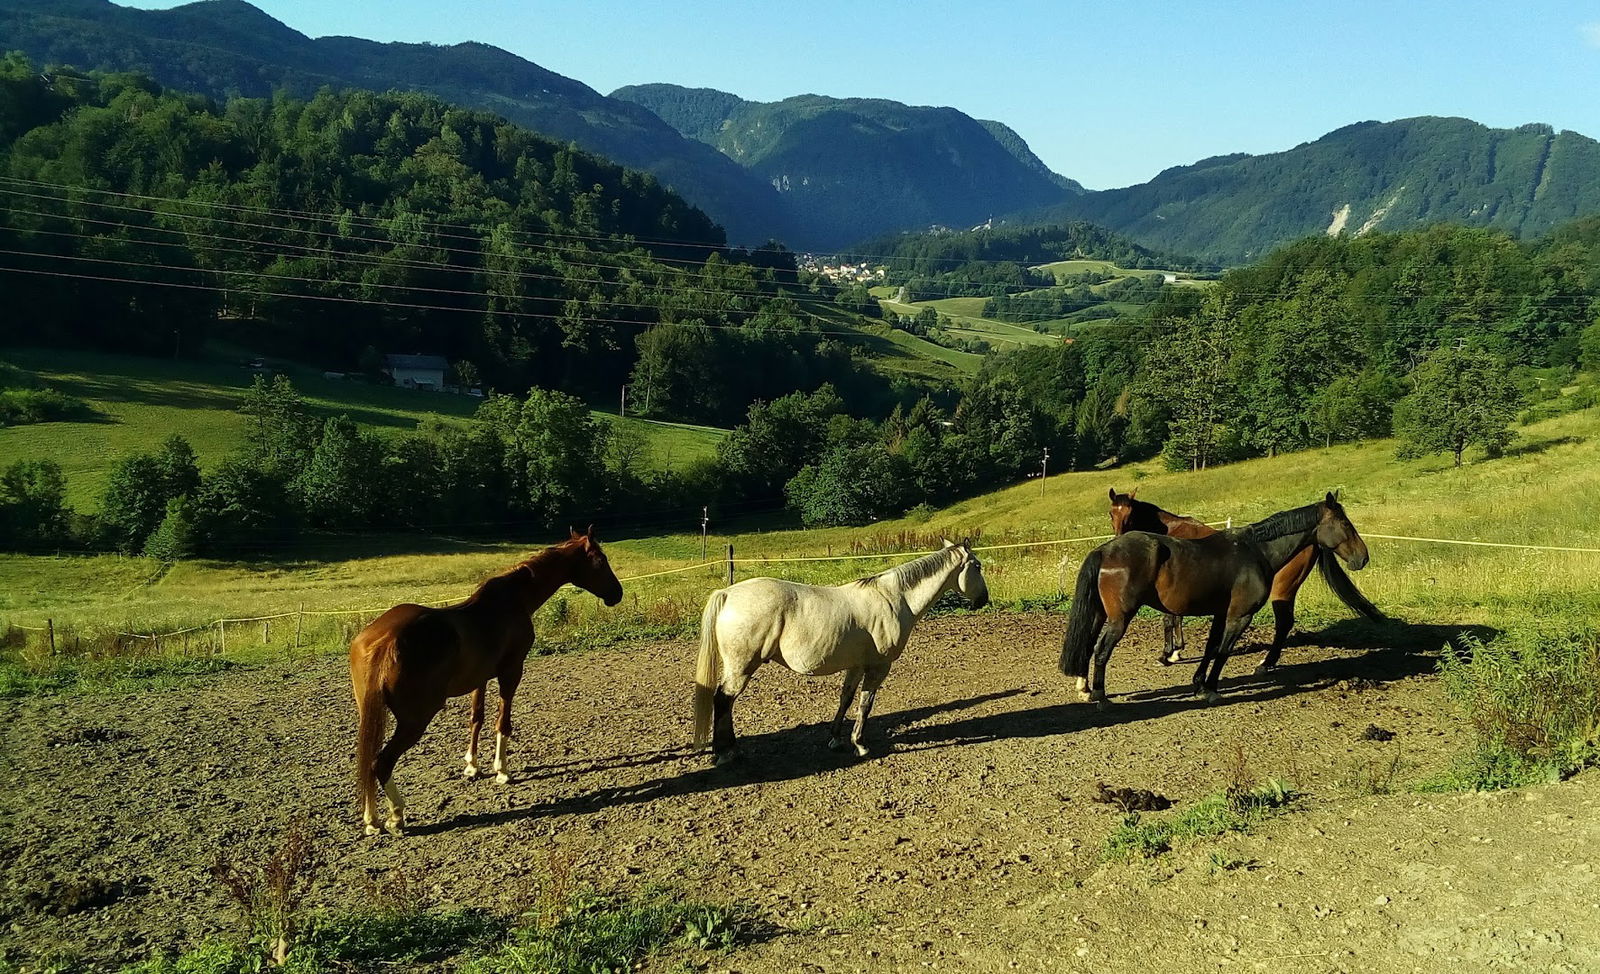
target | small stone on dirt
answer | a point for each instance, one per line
(1376, 733)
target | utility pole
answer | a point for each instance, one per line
(624, 412)
(1044, 470)
(705, 519)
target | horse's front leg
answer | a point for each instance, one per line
(852, 680)
(475, 726)
(508, 679)
(871, 680)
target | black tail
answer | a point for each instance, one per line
(1334, 574)
(1085, 619)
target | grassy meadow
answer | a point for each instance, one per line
(141, 401)
(1535, 494)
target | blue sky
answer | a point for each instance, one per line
(1107, 93)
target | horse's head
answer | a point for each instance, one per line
(1338, 535)
(593, 571)
(1121, 510)
(969, 576)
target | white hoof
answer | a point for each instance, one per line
(502, 778)
(395, 826)
(470, 771)
(1083, 686)
(861, 751)
(372, 829)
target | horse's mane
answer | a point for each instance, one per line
(511, 575)
(1293, 521)
(911, 572)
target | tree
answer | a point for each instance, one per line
(136, 497)
(282, 434)
(1460, 397)
(241, 504)
(33, 506)
(779, 438)
(853, 484)
(338, 488)
(1589, 348)
(558, 453)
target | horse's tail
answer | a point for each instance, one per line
(705, 671)
(369, 680)
(1085, 618)
(1334, 574)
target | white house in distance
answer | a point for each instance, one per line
(416, 371)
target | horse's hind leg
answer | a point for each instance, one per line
(475, 725)
(869, 692)
(1283, 623)
(1285, 586)
(508, 680)
(1174, 630)
(408, 730)
(1116, 625)
(724, 746)
(852, 680)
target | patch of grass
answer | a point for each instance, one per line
(598, 933)
(1532, 697)
(1139, 838)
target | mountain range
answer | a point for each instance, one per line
(822, 173)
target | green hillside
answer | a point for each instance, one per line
(139, 402)
(1360, 178)
(228, 48)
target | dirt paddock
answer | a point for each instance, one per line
(969, 839)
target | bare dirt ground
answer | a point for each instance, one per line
(969, 840)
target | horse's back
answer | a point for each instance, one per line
(811, 629)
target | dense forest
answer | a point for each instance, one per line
(351, 225)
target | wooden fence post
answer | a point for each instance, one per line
(222, 637)
(266, 632)
(50, 627)
(298, 619)
(730, 564)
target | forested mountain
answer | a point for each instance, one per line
(850, 168)
(354, 224)
(228, 47)
(1360, 178)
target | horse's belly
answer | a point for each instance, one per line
(818, 658)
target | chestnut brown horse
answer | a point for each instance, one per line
(1226, 575)
(1130, 514)
(413, 658)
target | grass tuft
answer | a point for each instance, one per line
(1234, 811)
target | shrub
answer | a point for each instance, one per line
(33, 505)
(1532, 698)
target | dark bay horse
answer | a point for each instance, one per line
(1130, 514)
(1226, 575)
(413, 658)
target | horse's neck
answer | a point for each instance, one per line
(919, 596)
(1278, 551)
(539, 579)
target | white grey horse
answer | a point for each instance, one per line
(859, 628)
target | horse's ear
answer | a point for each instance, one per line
(1113, 495)
(588, 532)
(572, 533)
(948, 543)
(1133, 493)
(1332, 498)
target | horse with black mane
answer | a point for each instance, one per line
(412, 658)
(1226, 575)
(1131, 514)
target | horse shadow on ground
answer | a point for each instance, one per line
(1390, 651)
(781, 755)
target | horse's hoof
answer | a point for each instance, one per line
(835, 744)
(724, 757)
(1264, 669)
(502, 779)
(1101, 703)
(1166, 660)
(470, 771)
(1210, 697)
(371, 829)
(1083, 686)
(861, 751)
(395, 827)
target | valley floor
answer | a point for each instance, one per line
(970, 840)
